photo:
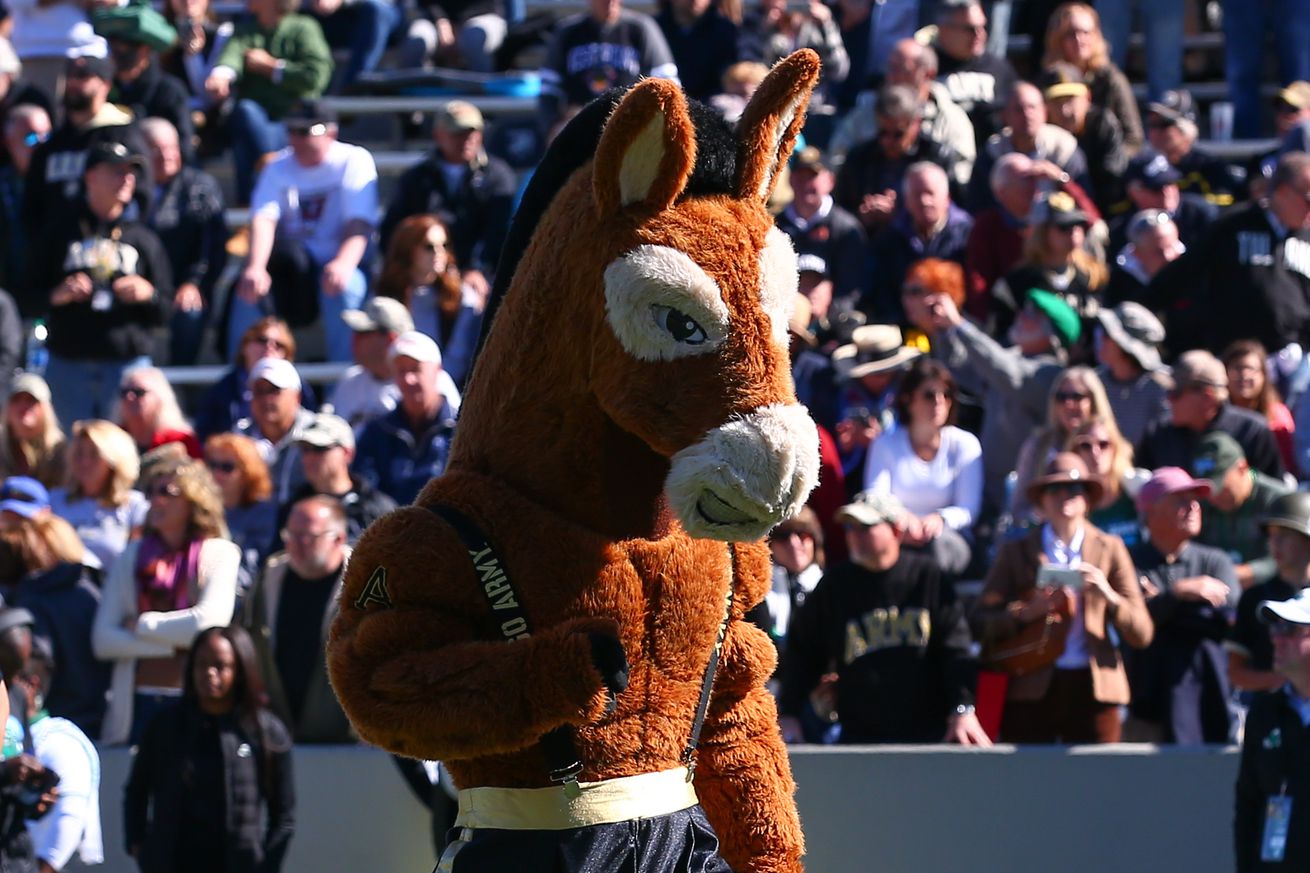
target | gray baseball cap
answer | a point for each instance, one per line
(379, 313)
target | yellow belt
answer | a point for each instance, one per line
(517, 809)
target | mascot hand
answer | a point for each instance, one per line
(612, 663)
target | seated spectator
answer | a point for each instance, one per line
(1250, 650)
(1171, 131)
(276, 419)
(1076, 697)
(1069, 106)
(1014, 383)
(420, 273)
(312, 216)
(31, 440)
(924, 279)
(361, 28)
(1234, 519)
(471, 192)
(464, 34)
(1153, 244)
(288, 614)
(243, 481)
(401, 451)
(1073, 37)
(274, 59)
(1054, 260)
(191, 764)
(870, 184)
(1126, 343)
(818, 226)
(883, 641)
(187, 215)
(1110, 458)
(98, 499)
(1249, 278)
(977, 80)
(368, 388)
(1198, 404)
(1151, 182)
(1077, 397)
(227, 401)
(777, 31)
(929, 226)
(148, 410)
(24, 128)
(200, 41)
(796, 547)
(72, 826)
(1180, 681)
(107, 277)
(327, 446)
(43, 564)
(932, 467)
(867, 371)
(704, 43)
(136, 34)
(177, 580)
(1249, 387)
(605, 47)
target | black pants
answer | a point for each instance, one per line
(681, 842)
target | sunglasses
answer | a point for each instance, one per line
(289, 535)
(1071, 396)
(168, 490)
(131, 393)
(221, 466)
(1072, 489)
(306, 129)
(782, 536)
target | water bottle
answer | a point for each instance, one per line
(38, 356)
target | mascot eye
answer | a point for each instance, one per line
(682, 327)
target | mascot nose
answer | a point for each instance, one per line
(746, 476)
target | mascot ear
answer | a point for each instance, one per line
(646, 151)
(771, 122)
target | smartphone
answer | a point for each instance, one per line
(1062, 576)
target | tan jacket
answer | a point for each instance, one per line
(1014, 574)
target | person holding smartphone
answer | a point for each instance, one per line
(1069, 567)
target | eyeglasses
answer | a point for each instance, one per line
(169, 489)
(304, 536)
(221, 466)
(1071, 396)
(132, 393)
(271, 341)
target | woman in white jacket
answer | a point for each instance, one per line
(177, 580)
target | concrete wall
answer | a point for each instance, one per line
(885, 810)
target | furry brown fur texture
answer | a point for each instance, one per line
(561, 456)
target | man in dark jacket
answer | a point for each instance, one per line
(818, 226)
(977, 80)
(704, 43)
(108, 281)
(1151, 182)
(1069, 105)
(25, 127)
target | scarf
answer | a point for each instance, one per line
(163, 575)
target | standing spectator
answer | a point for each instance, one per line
(1152, 245)
(818, 226)
(72, 826)
(704, 43)
(1151, 182)
(605, 47)
(25, 128)
(43, 34)
(228, 400)
(243, 480)
(136, 34)
(884, 639)
(362, 28)
(276, 419)
(1110, 458)
(1246, 27)
(1073, 36)
(31, 441)
(1162, 22)
(1198, 404)
(187, 214)
(469, 191)
(179, 579)
(1171, 130)
(1250, 649)
(108, 278)
(420, 274)
(148, 410)
(368, 388)
(288, 615)
(1249, 387)
(312, 216)
(933, 467)
(1076, 697)
(401, 451)
(1234, 520)
(218, 755)
(1069, 106)
(200, 41)
(1180, 681)
(1136, 383)
(99, 499)
(274, 59)
(1271, 771)
(930, 225)
(778, 31)
(977, 80)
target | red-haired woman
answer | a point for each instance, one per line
(926, 278)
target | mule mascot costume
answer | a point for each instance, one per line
(559, 617)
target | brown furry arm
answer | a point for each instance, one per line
(411, 674)
(743, 777)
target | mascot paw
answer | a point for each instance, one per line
(611, 662)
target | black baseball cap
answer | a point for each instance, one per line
(305, 113)
(113, 153)
(1152, 170)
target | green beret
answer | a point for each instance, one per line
(1064, 320)
(135, 23)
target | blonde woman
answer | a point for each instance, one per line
(1073, 35)
(1077, 396)
(243, 480)
(1110, 457)
(98, 499)
(31, 441)
(148, 410)
(177, 580)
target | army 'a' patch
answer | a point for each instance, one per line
(375, 591)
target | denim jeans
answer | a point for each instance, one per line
(1245, 27)
(86, 389)
(186, 332)
(364, 28)
(1162, 24)
(254, 135)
